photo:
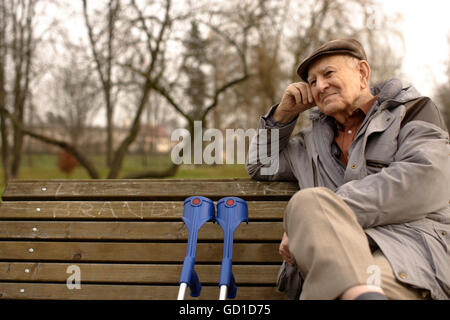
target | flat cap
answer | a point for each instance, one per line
(340, 46)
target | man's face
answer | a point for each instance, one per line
(335, 84)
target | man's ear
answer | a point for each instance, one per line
(364, 71)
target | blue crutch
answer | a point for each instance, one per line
(231, 211)
(197, 210)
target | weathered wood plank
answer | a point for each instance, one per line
(254, 231)
(124, 292)
(133, 252)
(121, 210)
(146, 189)
(131, 273)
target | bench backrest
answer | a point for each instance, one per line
(125, 238)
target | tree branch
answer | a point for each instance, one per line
(219, 91)
(169, 172)
(85, 162)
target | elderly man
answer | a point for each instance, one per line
(372, 217)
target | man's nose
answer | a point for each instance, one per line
(322, 85)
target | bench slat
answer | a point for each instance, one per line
(132, 273)
(158, 189)
(254, 231)
(124, 292)
(127, 252)
(121, 210)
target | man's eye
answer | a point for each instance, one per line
(328, 73)
(312, 83)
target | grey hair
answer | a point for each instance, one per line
(352, 61)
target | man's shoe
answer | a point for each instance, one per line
(371, 296)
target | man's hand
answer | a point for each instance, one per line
(284, 250)
(296, 99)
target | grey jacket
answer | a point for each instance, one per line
(396, 180)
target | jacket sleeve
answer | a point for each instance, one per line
(267, 156)
(415, 184)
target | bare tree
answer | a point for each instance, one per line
(22, 53)
(17, 59)
(379, 38)
(75, 95)
(104, 54)
(265, 65)
(17, 43)
(3, 125)
(229, 27)
(290, 30)
(151, 70)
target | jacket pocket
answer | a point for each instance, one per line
(375, 166)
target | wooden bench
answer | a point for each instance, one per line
(128, 240)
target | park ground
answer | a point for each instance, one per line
(45, 166)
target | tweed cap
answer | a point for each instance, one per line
(340, 46)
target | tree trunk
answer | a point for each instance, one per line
(3, 124)
(120, 153)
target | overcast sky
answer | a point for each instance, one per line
(426, 28)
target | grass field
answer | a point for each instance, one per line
(45, 166)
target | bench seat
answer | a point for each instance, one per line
(128, 240)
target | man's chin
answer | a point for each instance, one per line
(330, 108)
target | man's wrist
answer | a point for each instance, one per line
(283, 117)
(271, 122)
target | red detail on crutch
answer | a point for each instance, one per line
(230, 202)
